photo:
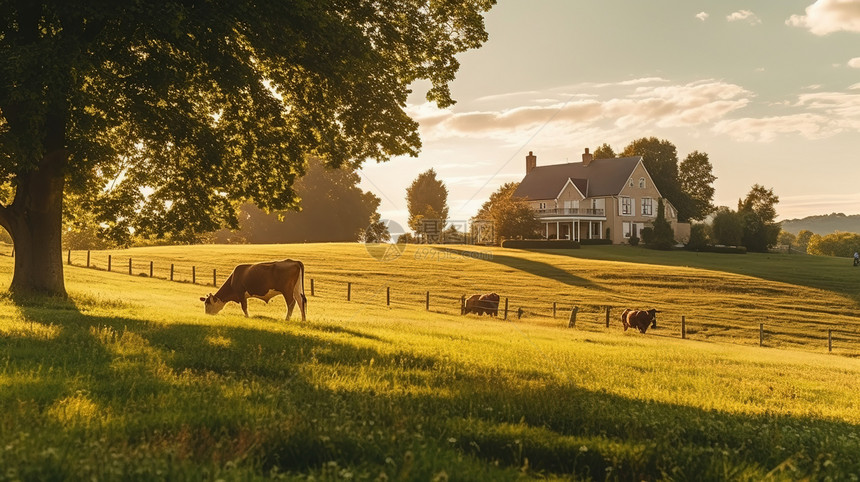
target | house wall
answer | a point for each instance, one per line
(636, 192)
(569, 193)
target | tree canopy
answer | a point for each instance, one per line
(758, 210)
(333, 208)
(164, 116)
(697, 179)
(427, 202)
(512, 217)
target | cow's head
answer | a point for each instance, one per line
(653, 314)
(212, 304)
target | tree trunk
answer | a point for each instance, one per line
(34, 220)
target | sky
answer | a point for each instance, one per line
(770, 90)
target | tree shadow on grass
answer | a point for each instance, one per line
(536, 268)
(306, 401)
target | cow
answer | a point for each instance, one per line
(482, 304)
(639, 319)
(490, 304)
(472, 305)
(263, 281)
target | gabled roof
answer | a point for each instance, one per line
(602, 177)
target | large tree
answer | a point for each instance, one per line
(163, 116)
(333, 208)
(697, 179)
(512, 217)
(758, 210)
(661, 159)
(427, 202)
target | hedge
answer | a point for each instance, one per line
(540, 244)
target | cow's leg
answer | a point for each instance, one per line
(291, 303)
(244, 304)
(299, 297)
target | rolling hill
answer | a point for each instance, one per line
(825, 224)
(128, 379)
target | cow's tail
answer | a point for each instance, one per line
(304, 298)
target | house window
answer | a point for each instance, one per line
(647, 206)
(629, 229)
(595, 231)
(627, 206)
(631, 182)
(641, 183)
(541, 205)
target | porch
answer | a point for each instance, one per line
(575, 229)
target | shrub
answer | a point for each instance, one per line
(634, 241)
(647, 235)
(699, 237)
(594, 242)
(540, 244)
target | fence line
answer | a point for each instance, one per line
(580, 314)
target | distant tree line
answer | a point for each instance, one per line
(753, 225)
(840, 243)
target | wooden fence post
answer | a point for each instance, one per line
(129, 265)
(215, 277)
(171, 271)
(607, 317)
(506, 308)
(427, 302)
(69, 259)
(553, 309)
(520, 312)
(829, 340)
(572, 321)
(463, 305)
(761, 334)
(348, 291)
(683, 327)
(387, 296)
(88, 257)
(312, 287)
(110, 260)
(193, 274)
(150, 269)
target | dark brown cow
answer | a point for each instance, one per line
(482, 304)
(490, 304)
(639, 319)
(472, 305)
(263, 281)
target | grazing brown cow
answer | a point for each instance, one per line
(263, 281)
(482, 304)
(639, 319)
(472, 305)
(490, 304)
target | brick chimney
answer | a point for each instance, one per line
(531, 162)
(587, 157)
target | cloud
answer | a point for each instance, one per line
(855, 63)
(702, 16)
(767, 129)
(745, 16)
(822, 115)
(634, 104)
(828, 16)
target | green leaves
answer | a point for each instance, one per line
(173, 113)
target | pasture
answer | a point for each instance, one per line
(129, 380)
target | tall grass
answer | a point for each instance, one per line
(129, 380)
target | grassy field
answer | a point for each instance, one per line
(129, 380)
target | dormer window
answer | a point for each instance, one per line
(641, 183)
(631, 182)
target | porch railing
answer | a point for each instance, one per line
(570, 212)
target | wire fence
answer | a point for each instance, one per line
(673, 322)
